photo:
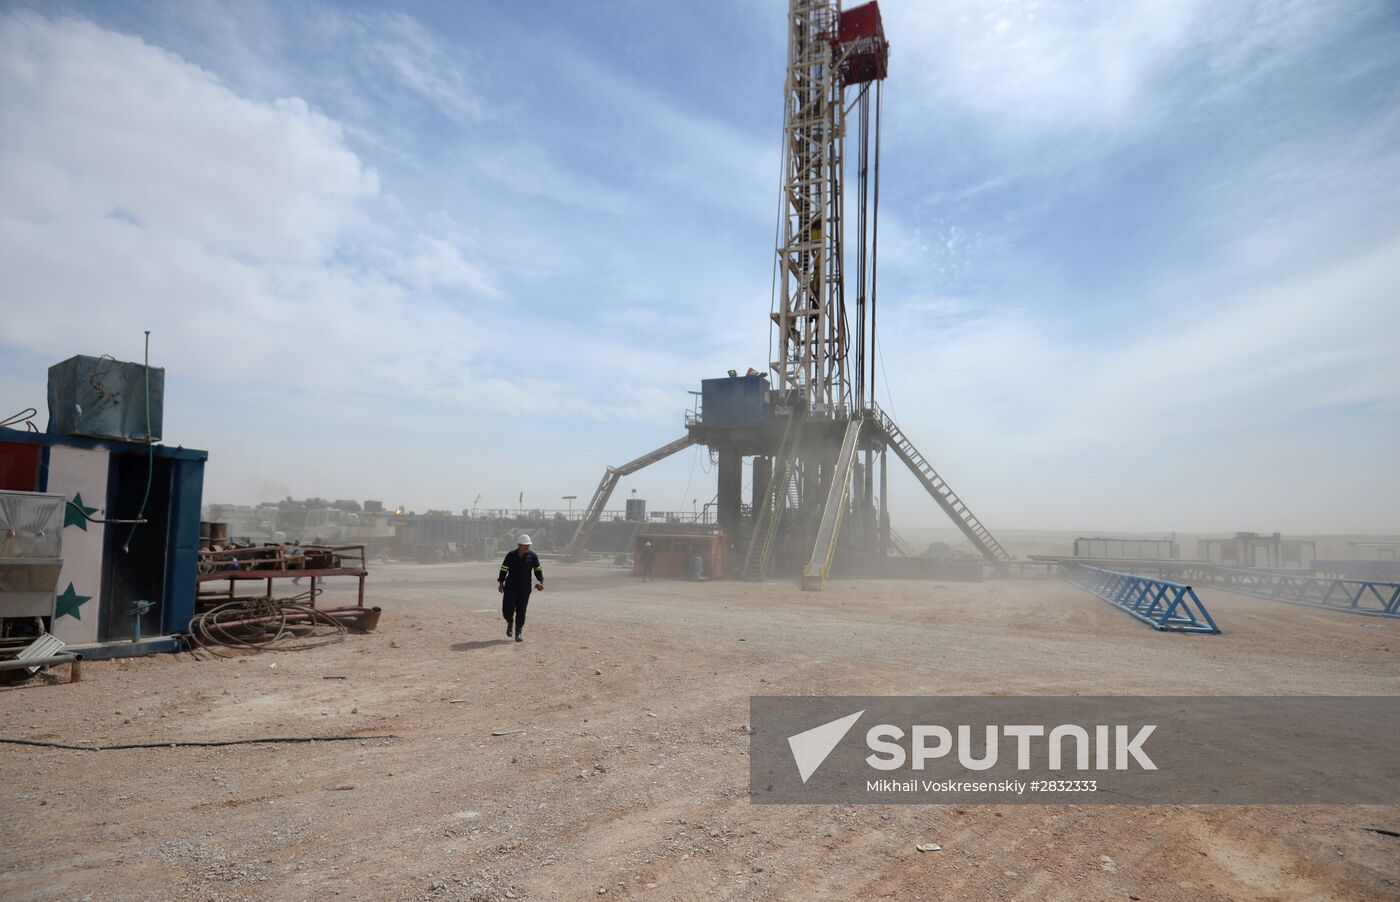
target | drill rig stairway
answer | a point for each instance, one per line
(781, 493)
(829, 532)
(961, 515)
(900, 545)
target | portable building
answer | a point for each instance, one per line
(118, 578)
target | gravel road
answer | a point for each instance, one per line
(606, 756)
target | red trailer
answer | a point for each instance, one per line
(674, 552)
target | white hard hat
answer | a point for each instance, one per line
(523, 539)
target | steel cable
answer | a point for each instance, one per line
(25, 416)
(266, 624)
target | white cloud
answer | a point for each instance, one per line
(143, 193)
(577, 254)
(256, 245)
(1097, 72)
(102, 122)
(415, 58)
(395, 56)
(1036, 66)
(1198, 419)
(529, 170)
(438, 263)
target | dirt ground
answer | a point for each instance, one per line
(625, 771)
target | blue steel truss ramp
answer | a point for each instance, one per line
(1161, 604)
(1352, 596)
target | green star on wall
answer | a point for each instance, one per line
(75, 513)
(70, 603)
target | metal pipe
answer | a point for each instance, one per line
(365, 619)
(884, 527)
(75, 662)
(138, 608)
(360, 618)
(288, 617)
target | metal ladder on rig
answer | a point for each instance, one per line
(952, 505)
(579, 543)
(899, 544)
(829, 532)
(782, 492)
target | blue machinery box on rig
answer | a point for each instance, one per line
(734, 401)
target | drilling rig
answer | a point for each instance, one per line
(811, 425)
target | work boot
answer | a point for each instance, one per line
(508, 629)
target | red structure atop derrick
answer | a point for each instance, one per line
(861, 48)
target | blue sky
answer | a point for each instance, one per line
(1138, 260)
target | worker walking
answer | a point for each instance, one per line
(648, 556)
(514, 585)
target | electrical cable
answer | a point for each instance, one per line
(25, 416)
(862, 182)
(777, 236)
(150, 453)
(693, 458)
(889, 396)
(875, 236)
(186, 743)
(91, 519)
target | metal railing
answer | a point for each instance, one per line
(577, 514)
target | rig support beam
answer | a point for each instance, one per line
(579, 543)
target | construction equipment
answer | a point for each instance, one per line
(579, 543)
(822, 349)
